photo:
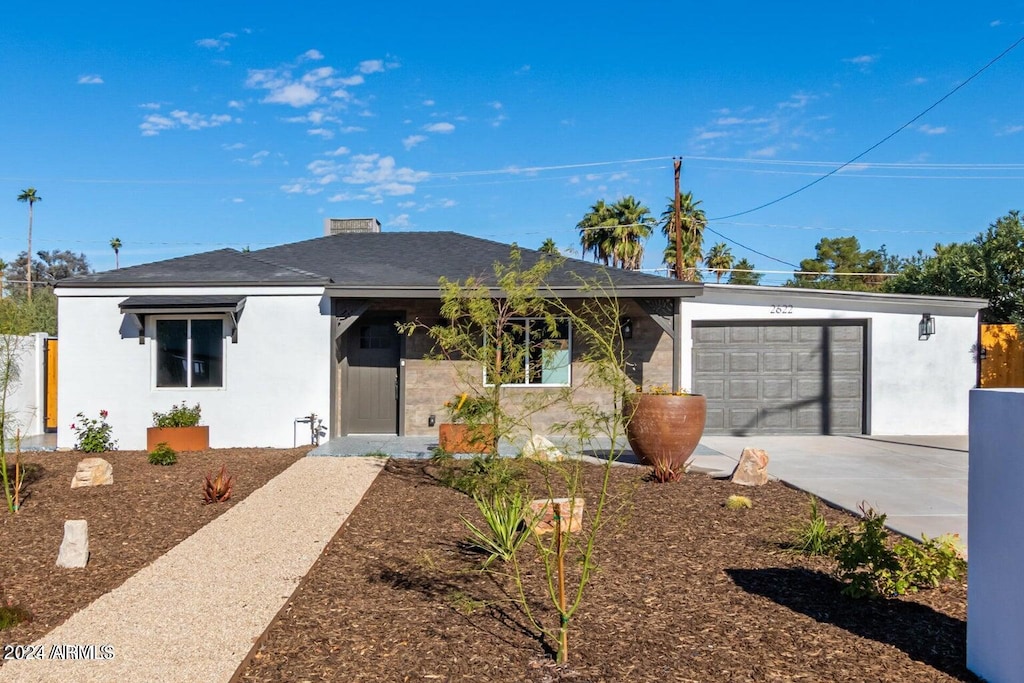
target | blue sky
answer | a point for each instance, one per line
(238, 124)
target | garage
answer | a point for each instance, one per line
(760, 377)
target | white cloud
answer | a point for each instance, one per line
(313, 55)
(498, 120)
(217, 44)
(154, 124)
(293, 94)
(341, 151)
(932, 130)
(495, 105)
(400, 221)
(997, 22)
(90, 79)
(736, 121)
(920, 80)
(797, 101)
(371, 66)
(712, 135)
(235, 104)
(353, 129)
(238, 200)
(1011, 130)
(406, 204)
(413, 140)
(524, 69)
(440, 127)
(382, 176)
(862, 60)
(765, 152)
(428, 103)
(321, 132)
(234, 146)
(150, 105)
(351, 80)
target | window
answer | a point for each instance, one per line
(533, 354)
(190, 352)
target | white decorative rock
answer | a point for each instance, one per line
(74, 549)
(540, 448)
(93, 472)
(752, 469)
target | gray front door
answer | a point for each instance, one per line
(370, 394)
(803, 378)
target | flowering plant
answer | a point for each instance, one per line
(469, 409)
(92, 435)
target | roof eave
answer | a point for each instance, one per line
(564, 292)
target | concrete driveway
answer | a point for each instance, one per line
(919, 482)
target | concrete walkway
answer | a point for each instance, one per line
(919, 482)
(195, 613)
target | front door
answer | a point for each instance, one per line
(370, 396)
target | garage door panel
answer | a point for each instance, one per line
(805, 378)
(742, 389)
(745, 361)
(743, 335)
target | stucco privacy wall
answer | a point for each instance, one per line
(995, 602)
(914, 386)
(26, 396)
(278, 370)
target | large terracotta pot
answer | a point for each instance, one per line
(460, 438)
(179, 438)
(664, 430)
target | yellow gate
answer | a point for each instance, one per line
(1002, 364)
(51, 384)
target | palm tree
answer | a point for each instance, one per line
(633, 224)
(595, 232)
(693, 222)
(115, 244)
(743, 274)
(719, 259)
(549, 247)
(31, 197)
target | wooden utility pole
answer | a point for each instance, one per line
(678, 165)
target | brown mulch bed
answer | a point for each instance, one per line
(145, 512)
(684, 590)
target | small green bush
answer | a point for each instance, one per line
(12, 615)
(932, 561)
(813, 536)
(738, 503)
(507, 528)
(92, 435)
(178, 416)
(162, 455)
(482, 476)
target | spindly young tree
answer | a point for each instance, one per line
(115, 244)
(719, 259)
(743, 274)
(693, 222)
(31, 197)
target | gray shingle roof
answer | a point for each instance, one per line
(392, 260)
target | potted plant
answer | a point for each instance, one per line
(467, 429)
(664, 428)
(179, 428)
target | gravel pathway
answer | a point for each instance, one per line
(194, 614)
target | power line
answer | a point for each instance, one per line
(880, 142)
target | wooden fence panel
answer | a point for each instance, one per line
(51, 384)
(1003, 363)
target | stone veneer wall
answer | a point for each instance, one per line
(429, 384)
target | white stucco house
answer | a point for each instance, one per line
(260, 339)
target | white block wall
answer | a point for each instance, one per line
(26, 397)
(279, 369)
(916, 386)
(995, 523)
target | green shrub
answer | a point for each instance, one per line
(162, 455)
(507, 526)
(178, 416)
(482, 476)
(738, 503)
(92, 435)
(931, 561)
(814, 536)
(12, 615)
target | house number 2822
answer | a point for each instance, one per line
(781, 309)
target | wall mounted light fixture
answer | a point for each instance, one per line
(926, 328)
(626, 325)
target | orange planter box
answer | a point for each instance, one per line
(458, 438)
(179, 438)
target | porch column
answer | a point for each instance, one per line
(677, 344)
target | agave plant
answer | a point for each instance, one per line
(218, 489)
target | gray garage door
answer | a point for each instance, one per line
(780, 379)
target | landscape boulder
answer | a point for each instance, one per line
(93, 472)
(542, 513)
(752, 469)
(74, 549)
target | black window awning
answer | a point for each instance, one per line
(207, 303)
(141, 306)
